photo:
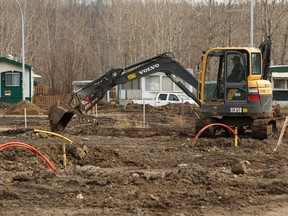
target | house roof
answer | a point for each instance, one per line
(16, 63)
(279, 68)
(81, 82)
(36, 75)
(280, 75)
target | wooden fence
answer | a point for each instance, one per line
(49, 100)
(41, 90)
(42, 97)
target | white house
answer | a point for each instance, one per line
(147, 87)
(139, 89)
(280, 84)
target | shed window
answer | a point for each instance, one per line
(12, 79)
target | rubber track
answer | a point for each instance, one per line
(259, 129)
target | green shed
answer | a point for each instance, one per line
(11, 85)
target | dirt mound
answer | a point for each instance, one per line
(138, 107)
(112, 107)
(4, 107)
(108, 107)
(18, 109)
(180, 108)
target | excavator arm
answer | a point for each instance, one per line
(265, 48)
(94, 91)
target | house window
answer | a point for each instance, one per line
(134, 84)
(152, 83)
(279, 83)
(163, 83)
(12, 79)
(167, 84)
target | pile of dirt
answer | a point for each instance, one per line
(18, 109)
(4, 107)
(112, 107)
(138, 107)
(186, 108)
(108, 107)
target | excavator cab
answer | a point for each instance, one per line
(225, 77)
(233, 91)
(232, 84)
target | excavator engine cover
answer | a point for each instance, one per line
(59, 118)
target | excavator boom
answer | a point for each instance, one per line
(94, 91)
(234, 88)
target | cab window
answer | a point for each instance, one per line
(256, 64)
(235, 68)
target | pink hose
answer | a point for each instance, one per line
(211, 125)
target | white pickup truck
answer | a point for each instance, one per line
(165, 98)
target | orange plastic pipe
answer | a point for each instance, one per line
(31, 148)
(215, 124)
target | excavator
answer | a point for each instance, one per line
(232, 88)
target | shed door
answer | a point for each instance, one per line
(11, 87)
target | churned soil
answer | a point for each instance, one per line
(136, 164)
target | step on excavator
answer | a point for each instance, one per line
(232, 88)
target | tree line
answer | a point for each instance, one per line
(67, 40)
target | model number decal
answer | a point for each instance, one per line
(149, 69)
(132, 76)
(236, 109)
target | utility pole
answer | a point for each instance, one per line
(251, 23)
(23, 51)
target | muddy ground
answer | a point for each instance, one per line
(122, 168)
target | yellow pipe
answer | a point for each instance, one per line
(63, 146)
(55, 134)
(236, 137)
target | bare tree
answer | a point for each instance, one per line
(70, 40)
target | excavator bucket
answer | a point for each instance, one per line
(59, 118)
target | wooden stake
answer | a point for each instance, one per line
(281, 134)
(64, 156)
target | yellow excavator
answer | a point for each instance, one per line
(232, 87)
